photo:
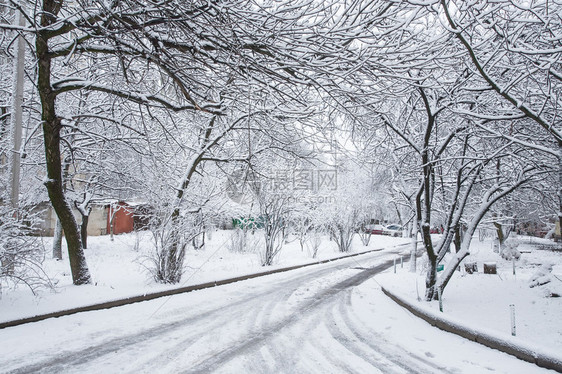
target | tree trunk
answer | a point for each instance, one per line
(78, 266)
(428, 183)
(57, 237)
(84, 211)
(198, 241)
(431, 277)
(499, 232)
(84, 230)
(559, 187)
(458, 238)
(174, 254)
(414, 246)
(458, 257)
(112, 212)
(57, 241)
(51, 135)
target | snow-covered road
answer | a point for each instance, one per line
(330, 318)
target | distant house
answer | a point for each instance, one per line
(125, 217)
(121, 216)
(97, 224)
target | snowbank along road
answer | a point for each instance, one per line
(320, 319)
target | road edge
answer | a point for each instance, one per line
(526, 353)
(174, 291)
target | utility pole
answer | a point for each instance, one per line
(19, 64)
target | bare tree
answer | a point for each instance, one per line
(78, 45)
(517, 56)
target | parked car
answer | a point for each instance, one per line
(393, 230)
(375, 229)
(436, 230)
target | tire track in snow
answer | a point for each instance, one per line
(144, 338)
(353, 342)
(224, 356)
(392, 352)
(195, 330)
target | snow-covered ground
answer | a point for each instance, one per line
(330, 318)
(119, 269)
(363, 322)
(483, 301)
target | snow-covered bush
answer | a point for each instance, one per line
(168, 257)
(365, 235)
(171, 240)
(237, 241)
(21, 255)
(243, 241)
(542, 276)
(342, 233)
(313, 241)
(269, 251)
(509, 250)
(550, 285)
(343, 225)
(301, 226)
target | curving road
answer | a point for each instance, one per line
(322, 319)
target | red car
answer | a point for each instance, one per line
(375, 229)
(436, 230)
(390, 230)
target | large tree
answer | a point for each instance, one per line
(514, 48)
(142, 61)
(419, 85)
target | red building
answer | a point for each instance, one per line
(121, 215)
